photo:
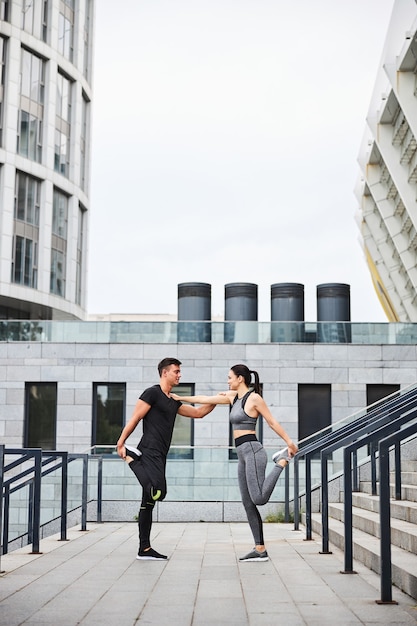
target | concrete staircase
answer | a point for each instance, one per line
(366, 543)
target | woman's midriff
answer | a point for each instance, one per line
(240, 433)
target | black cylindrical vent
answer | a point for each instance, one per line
(241, 308)
(194, 312)
(287, 302)
(194, 301)
(333, 305)
(333, 302)
(241, 302)
(287, 305)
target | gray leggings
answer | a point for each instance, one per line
(255, 487)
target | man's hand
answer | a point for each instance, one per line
(121, 450)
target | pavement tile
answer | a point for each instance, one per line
(94, 579)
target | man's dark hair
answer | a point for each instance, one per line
(165, 363)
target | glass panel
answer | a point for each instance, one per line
(183, 434)
(108, 413)
(57, 285)
(18, 260)
(40, 422)
(60, 215)
(314, 409)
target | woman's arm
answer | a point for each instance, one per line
(262, 408)
(221, 398)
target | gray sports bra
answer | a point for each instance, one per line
(238, 418)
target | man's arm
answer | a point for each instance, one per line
(139, 412)
(195, 411)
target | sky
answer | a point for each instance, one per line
(225, 142)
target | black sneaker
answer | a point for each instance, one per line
(151, 555)
(255, 555)
(134, 453)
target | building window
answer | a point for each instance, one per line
(183, 435)
(2, 83)
(4, 10)
(30, 116)
(26, 231)
(84, 143)
(27, 199)
(314, 409)
(87, 38)
(62, 125)
(80, 249)
(40, 415)
(375, 393)
(59, 243)
(34, 18)
(66, 29)
(109, 406)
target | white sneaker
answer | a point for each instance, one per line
(134, 453)
(281, 454)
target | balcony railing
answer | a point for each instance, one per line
(208, 332)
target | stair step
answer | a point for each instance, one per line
(408, 492)
(403, 534)
(366, 549)
(400, 509)
(410, 478)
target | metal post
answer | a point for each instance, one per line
(287, 494)
(397, 455)
(64, 495)
(296, 493)
(1, 494)
(308, 497)
(355, 471)
(30, 511)
(385, 526)
(84, 493)
(373, 468)
(324, 505)
(36, 526)
(6, 519)
(99, 489)
(347, 463)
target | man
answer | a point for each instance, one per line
(158, 411)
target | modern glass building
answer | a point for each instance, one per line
(45, 102)
(387, 189)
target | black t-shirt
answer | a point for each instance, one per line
(159, 421)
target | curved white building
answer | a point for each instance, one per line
(45, 102)
(387, 189)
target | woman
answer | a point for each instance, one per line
(255, 488)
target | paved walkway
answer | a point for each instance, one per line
(94, 579)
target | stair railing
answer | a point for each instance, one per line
(44, 463)
(345, 432)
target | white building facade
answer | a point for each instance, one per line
(45, 104)
(387, 189)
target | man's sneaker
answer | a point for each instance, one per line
(151, 555)
(281, 454)
(134, 453)
(255, 555)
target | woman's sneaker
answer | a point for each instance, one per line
(281, 455)
(255, 555)
(134, 453)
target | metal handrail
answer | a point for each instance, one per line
(346, 433)
(32, 477)
(380, 427)
(384, 506)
